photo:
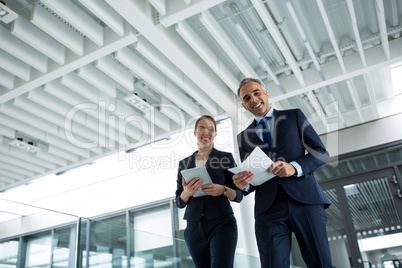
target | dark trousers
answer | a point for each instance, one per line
(212, 243)
(274, 229)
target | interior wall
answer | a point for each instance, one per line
(386, 130)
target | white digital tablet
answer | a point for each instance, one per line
(201, 172)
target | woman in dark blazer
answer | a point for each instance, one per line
(211, 232)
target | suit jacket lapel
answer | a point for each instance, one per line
(252, 137)
(190, 162)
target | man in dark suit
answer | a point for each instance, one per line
(292, 201)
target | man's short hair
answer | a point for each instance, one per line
(247, 80)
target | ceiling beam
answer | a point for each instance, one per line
(22, 50)
(382, 25)
(43, 136)
(103, 11)
(356, 32)
(157, 81)
(115, 71)
(24, 156)
(91, 93)
(375, 59)
(80, 20)
(166, 40)
(159, 5)
(92, 52)
(81, 131)
(20, 164)
(14, 66)
(39, 40)
(277, 36)
(98, 79)
(57, 29)
(303, 36)
(6, 79)
(10, 175)
(14, 166)
(210, 58)
(61, 106)
(226, 44)
(169, 69)
(331, 34)
(179, 10)
(353, 94)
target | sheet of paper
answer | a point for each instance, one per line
(201, 173)
(258, 163)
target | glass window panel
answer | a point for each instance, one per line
(8, 253)
(362, 162)
(64, 247)
(375, 220)
(155, 220)
(119, 220)
(153, 245)
(180, 223)
(103, 245)
(338, 240)
(39, 250)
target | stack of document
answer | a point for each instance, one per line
(258, 163)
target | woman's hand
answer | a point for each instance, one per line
(189, 189)
(213, 189)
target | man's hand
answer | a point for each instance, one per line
(282, 169)
(243, 179)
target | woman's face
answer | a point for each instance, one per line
(205, 133)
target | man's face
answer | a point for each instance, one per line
(254, 99)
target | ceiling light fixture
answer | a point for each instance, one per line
(139, 103)
(6, 14)
(29, 145)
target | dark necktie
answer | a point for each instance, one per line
(266, 135)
